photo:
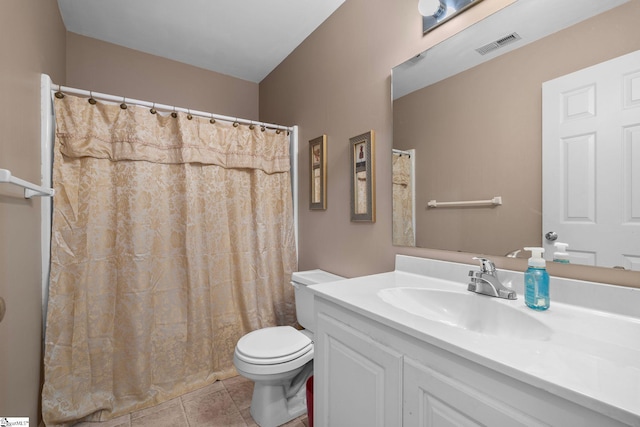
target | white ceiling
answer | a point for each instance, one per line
(246, 39)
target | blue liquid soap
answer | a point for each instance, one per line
(536, 281)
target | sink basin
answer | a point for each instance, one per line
(469, 311)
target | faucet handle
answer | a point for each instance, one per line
(486, 265)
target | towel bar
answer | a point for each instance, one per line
(30, 190)
(492, 202)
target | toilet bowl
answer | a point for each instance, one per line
(279, 359)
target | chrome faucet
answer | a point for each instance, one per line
(486, 281)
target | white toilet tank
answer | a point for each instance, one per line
(304, 298)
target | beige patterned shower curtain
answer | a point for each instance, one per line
(172, 238)
(403, 234)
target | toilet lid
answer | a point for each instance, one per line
(273, 345)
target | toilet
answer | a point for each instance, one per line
(279, 359)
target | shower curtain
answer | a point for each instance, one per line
(171, 238)
(403, 234)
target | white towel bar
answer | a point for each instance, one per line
(493, 202)
(30, 190)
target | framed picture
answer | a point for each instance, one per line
(363, 181)
(318, 168)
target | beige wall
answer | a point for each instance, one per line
(338, 83)
(32, 41)
(104, 67)
(484, 135)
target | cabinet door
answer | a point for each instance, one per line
(357, 380)
(435, 400)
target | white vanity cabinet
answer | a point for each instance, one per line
(367, 373)
(357, 379)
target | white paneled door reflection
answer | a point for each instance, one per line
(591, 163)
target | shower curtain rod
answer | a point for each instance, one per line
(169, 108)
(406, 152)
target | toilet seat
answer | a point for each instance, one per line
(274, 345)
(279, 360)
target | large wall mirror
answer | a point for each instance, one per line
(469, 113)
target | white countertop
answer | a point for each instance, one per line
(592, 357)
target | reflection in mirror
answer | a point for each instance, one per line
(437, 12)
(591, 123)
(475, 120)
(403, 193)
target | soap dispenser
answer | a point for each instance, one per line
(561, 255)
(536, 281)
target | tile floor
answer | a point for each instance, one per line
(221, 404)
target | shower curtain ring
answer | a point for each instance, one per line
(189, 116)
(153, 109)
(236, 124)
(59, 93)
(212, 120)
(252, 126)
(263, 128)
(174, 114)
(92, 100)
(278, 131)
(124, 103)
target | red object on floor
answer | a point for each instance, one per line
(310, 400)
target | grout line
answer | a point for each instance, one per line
(224, 384)
(235, 405)
(184, 411)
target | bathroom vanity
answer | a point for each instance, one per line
(413, 347)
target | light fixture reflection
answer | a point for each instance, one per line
(428, 7)
(436, 12)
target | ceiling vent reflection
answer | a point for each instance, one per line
(501, 42)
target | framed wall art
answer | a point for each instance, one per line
(363, 182)
(318, 168)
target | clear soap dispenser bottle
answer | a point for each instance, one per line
(536, 281)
